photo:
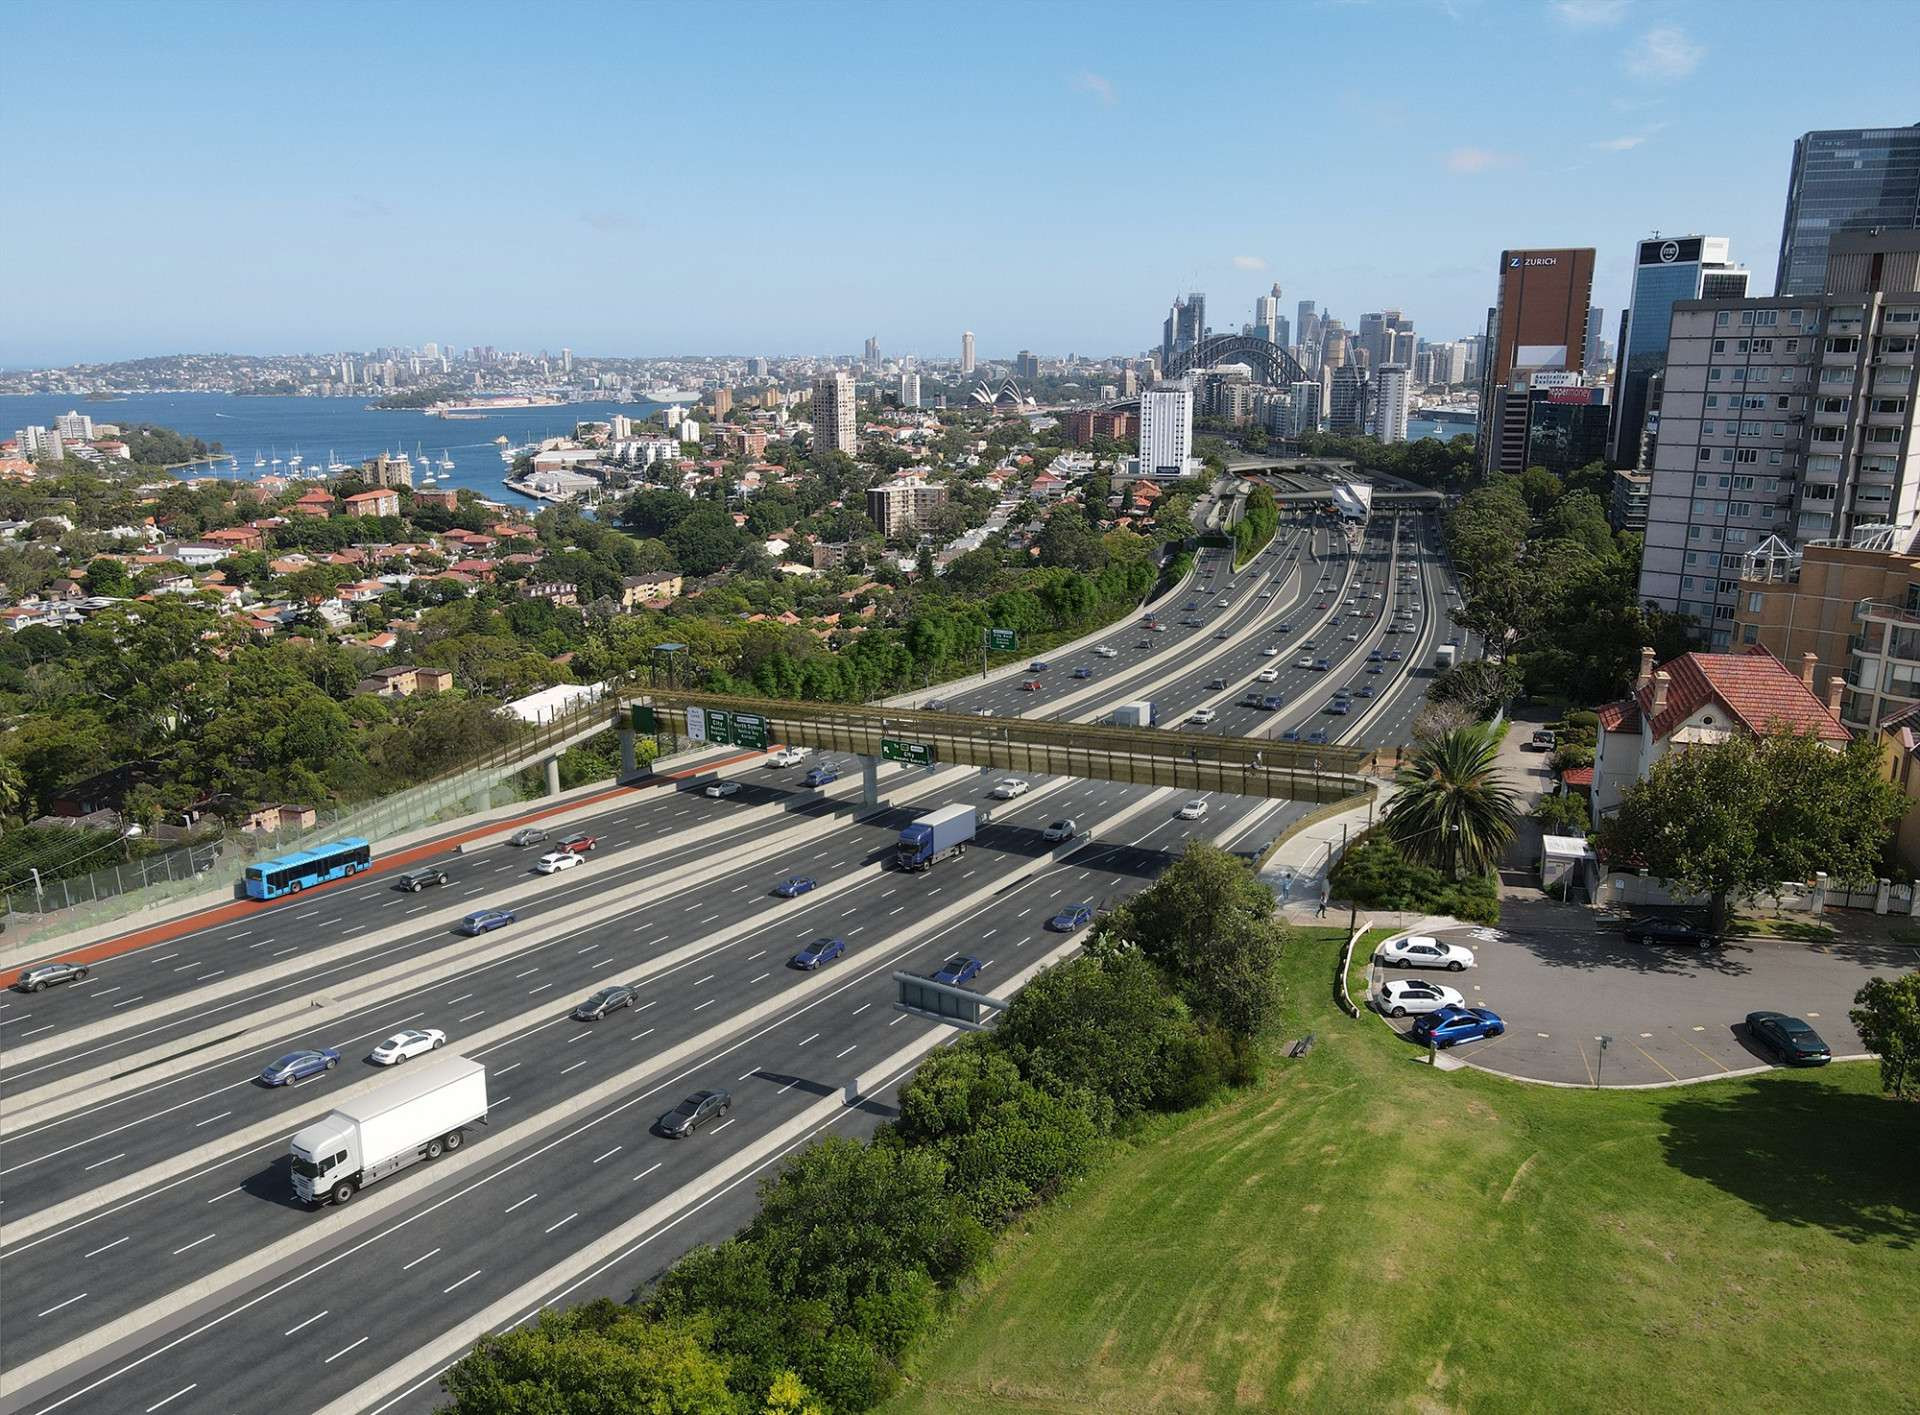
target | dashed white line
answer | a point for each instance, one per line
(195, 1244)
(645, 1172)
(511, 1207)
(108, 1160)
(809, 1039)
(344, 1350)
(638, 1035)
(572, 1216)
(542, 988)
(419, 1260)
(854, 1047)
(575, 1067)
(211, 1118)
(752, 981)
(58, 1305)
(302, 1326)
(103, 1247)
(609, 1154)
(170, 1399)
(471, 1015)
(708, 1003)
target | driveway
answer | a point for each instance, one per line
(1561, 979)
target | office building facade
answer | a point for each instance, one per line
(1538, 325)
(1268, 323)
(1392, 394)
(1845, 180)
(1566, 422)
(899, 508)
(1665, 270)
(966, 352)
(909, 389)
(1348, 399)
(833, 424)
(1185, 326)
(1166, 430)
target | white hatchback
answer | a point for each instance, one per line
(1401, 996)
(1420, 951)
(1010, 787)
(1193, 810)
(1203, 716)
(1267, 675)
(559, 860)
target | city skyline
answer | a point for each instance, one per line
(444, 197)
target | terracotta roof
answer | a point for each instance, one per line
(1578, 776)
(1757, 690)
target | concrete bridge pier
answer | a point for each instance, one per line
(629, 757)
(869, 781)
(553, 775)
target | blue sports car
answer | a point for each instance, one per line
(795, 885)
(1074, 916)
(1457, 1024)
(956, 971)
(821, 950)
(299, 1065)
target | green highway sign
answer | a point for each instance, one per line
(1002, 640)
(912, 753)
(643, 719)
(749, 730)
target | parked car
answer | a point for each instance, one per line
(1398, 997)
(608, 999)
(482, 921)
(958, 970)
(528, 835)
(1060, 830)
(298, 1066)
(1071, 917)
(413, 881)
(1009, 787)
(696, 1110)
(45, 975)
(720, 789)
(821, 950)
(793, 886)
(826, 775)
(1677, 931)
(1420, 951)
(1790, 1039)
(1448, 1025)
(578, 843)
(1193, 811)
(557, 861)
(415, 1041)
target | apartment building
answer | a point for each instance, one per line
(898, 508)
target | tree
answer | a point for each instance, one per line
(1562, 813)
(1742, 815)
(1887, 1016)
(1452, 811)
(106, 576)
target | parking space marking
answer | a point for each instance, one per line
(1591, 1081)
(1656, 1060)
(1710, 1056)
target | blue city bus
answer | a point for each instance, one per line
(292, 873)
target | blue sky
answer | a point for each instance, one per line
(790, 178)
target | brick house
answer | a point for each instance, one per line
(382, 501)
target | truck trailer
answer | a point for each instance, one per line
(1444, 656)
(935, 836)
(1140, 714)
(418, 1116)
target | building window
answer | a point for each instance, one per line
(1720, 319)
(1794, 318)
(1773, 457)
(1706, 454)
(1755, 601)
(1693, 533)
(1713, 375)
(1749, 633)
(1843, 346)
(1686, 582)
(1713, 400)
(1706, 429)
(1793, 345)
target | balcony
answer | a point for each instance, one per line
(1884, 611)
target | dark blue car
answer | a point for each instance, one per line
(299, 1065)
(821, 775)
(956, 971)
(1292, 734)
(821, 950)
(1073, 916)
(1456, 1024)
(795, 885)
(482, 921)
(1318, 736)
(1083, 673)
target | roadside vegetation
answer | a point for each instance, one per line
(1356, 1231)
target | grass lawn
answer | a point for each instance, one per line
(1362, 1233)
(1766, 926)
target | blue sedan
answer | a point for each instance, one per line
(1074, 916)
(482, 921)
(1083, 673)
(821, 775)
(795, 885)
(299, 1065)
(959, 970)
(821, 950)
(1457, 1024)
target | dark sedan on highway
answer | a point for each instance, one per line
(794, 886)
(693, 1112)
(820, 951)
(610, 999)
(298, 1066)
(958, 970)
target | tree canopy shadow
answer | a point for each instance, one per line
(1805, 1153)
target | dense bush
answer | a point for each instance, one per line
(1375, 875)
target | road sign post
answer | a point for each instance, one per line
(996, 641)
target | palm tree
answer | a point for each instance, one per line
(1453, 812)
(12, 786)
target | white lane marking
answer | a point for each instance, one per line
(170, 1399)
(471, 1015)
(638, 1035)
(898, 1020)
(645, 1172)
(724, 1124)
(861, 1008)
(528, 1200)
(708, 1003)
(609, 1154)
(195, 1244)
(588, 949)
(575, 1067)
(302, 1326)
(165, 956)
(709, 978)
(344, 1350)
(36, 1031)
(505, 1069)
(854, 1047)
(542, 988)
(578, 1037)
(565, 1221)
(211, 1118)
(812, 1038)
(224, 1193)
(528, 974)
(103, 992)
(108, 1160)
(752, 981)
(462, 998)
(103, 1247)
(419, 1260)
(58, 1305)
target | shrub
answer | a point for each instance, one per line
(1376, 875)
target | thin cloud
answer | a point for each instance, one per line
(1626, 142)
(1249, 262)
(1468, 160)
(1664, 53)
(1590, 14)
(1099, 86)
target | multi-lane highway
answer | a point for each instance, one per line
(151, 1255)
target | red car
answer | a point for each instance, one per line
(579, 843)
(1032, 685)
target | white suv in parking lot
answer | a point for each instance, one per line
(1420, 951)
(1401, 996)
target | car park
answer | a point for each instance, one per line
(527, 835)
(1790, 1039)
(1071, 917)
(1451, 1025)
(299, 1066)
(1676, 931)
(1399, 997)
(1202, 716)
(1060, 830)
(482, 921)
(826, 775)
(821, 951)
(578, 843)
(1193, 811)
(1423, 951)
(557, 861)
(46, 975)
(409, 1043)
(696, 1110)
(958, 970)
(608, 999)
(794, 886)
(723, 788)
(1011, 786)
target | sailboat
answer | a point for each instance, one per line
(273, 456)
(258, 460)
(446, 460)
(295, 460)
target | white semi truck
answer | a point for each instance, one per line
(417, 1116)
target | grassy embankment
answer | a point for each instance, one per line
(1361, 1233)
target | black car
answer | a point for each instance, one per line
(601, 1003)
(1677, 931)
(413, 881)
(1789, 1038)
(43, 975)
(693, 1112)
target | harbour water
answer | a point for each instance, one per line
(327, 429)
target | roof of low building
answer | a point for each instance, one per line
(1758, 692)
